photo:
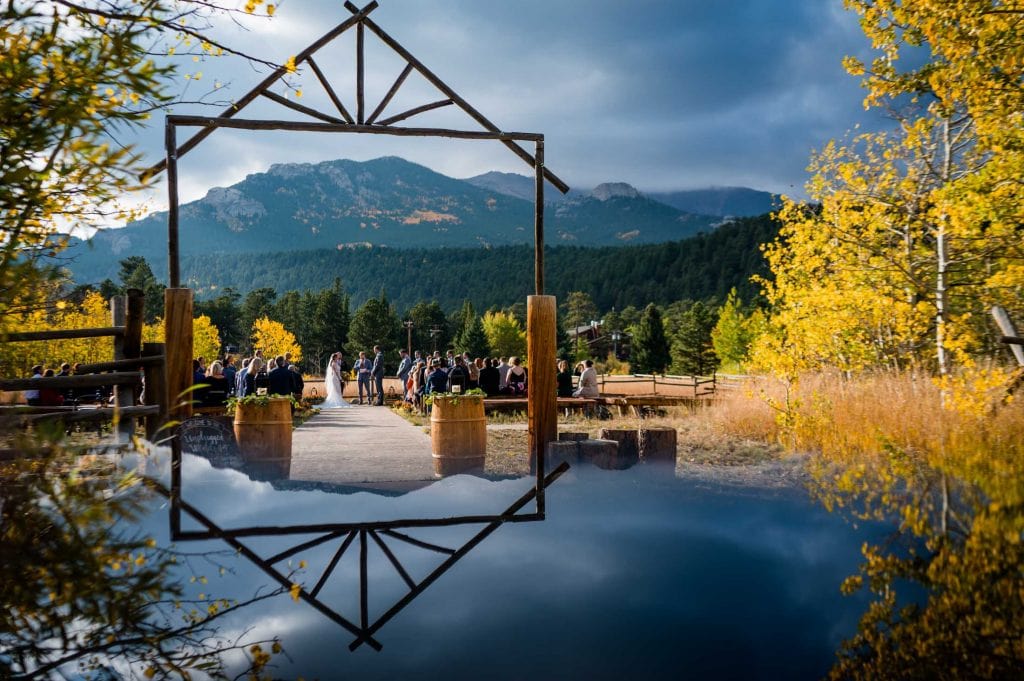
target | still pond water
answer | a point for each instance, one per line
(633, 574)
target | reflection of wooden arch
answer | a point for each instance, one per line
(343, 535)
(343, 121)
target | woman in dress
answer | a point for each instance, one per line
(332, 380)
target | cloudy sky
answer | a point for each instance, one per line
(663, 94)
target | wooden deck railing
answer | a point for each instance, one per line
(122, 374)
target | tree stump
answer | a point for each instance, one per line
(629, 445)
(601, 453)
(572, 437)
(658, 445)
(557, 452)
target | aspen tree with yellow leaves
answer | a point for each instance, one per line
(888, 277)
(82, 590)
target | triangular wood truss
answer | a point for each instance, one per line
(343, 121)
(361, 120)
(344, 535)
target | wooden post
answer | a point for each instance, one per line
(133, 331)
(123, 394)
(538, 223)
(542, 393)
(173, 270)
(156, 389)
(178, 348)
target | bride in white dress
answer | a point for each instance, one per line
(332, 380)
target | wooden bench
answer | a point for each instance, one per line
(513, 404)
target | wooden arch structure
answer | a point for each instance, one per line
(541, 309)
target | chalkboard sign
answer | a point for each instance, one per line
(211, 439)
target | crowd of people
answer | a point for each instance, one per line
(52, 397)
(256, 375)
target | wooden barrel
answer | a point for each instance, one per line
(264, 434)
(458, 433)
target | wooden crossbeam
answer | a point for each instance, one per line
(418, 110)
(330, 91)
(273, 96)
(391, 93)
(310, 126)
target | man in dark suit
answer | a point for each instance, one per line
(297, 383)
(279, 380)
(378, 374)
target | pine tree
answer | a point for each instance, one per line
(374, 323)
(650, 346)
(474, 340)
(692, 349)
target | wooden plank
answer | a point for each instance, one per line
(250, 96)
(100, 414)
(391, 93)
(309, 126)
(330, 91)
(273, 96)
(118, 365)
(63, 334)
(122, 393)
(451, 94)
(69, 382)
(417, 110)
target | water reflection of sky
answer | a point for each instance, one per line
(632, 574)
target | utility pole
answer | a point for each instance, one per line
(435, 331)
(408, 335)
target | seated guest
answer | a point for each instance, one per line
(279, 380)
(437, 379)
(32, 396)
(490, 377)
(516, 378)
(297, 383)
(458, 376)
(588, 381)
(199, 378)
(217, 392)
(255, 365)
(50, 397)
(564, 379)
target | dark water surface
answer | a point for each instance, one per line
(634, 574)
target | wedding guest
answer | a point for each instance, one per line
(49, 397)
(229, 374)
(404, 367)
(280, 380)
(255, 364)
(564, 379)
(503, 368)
(297, 383)
(32, 396)
(588, 381)
(240, 377)
(490, 378)
(516, 377)
(378, 374)
(363, 368)
(458, 376)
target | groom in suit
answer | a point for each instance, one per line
(378, 374)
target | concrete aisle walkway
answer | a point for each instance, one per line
(362, 446)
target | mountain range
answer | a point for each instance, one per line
(393, 203)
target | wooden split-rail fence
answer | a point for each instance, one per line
(135, 364)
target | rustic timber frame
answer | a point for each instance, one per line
(542, 412)
(541, 317)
